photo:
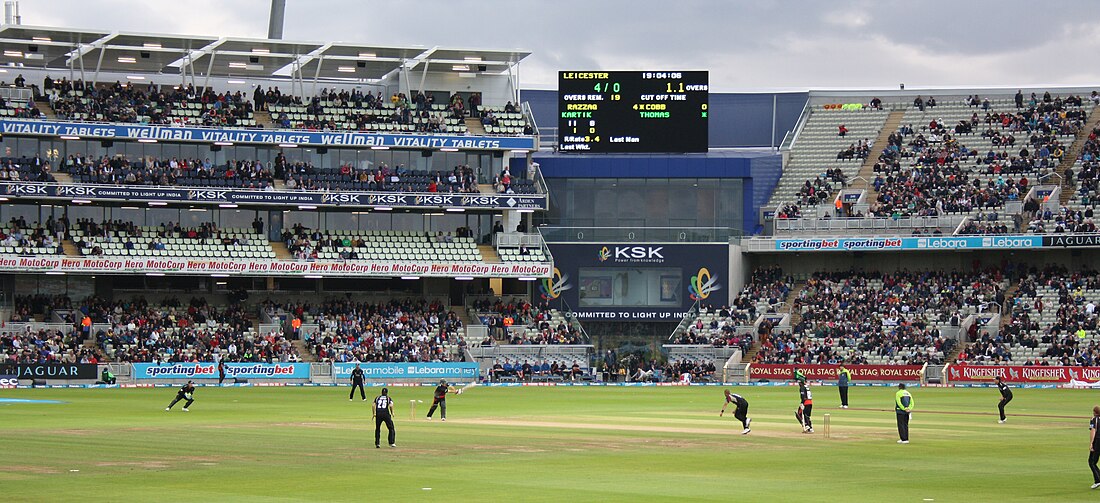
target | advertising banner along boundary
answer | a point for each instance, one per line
(49, 371)
(266, 137)
(828, 372)
(408, 370)
(209, 370)
(961, 372)
(352, 268)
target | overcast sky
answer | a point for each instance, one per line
(746, 45)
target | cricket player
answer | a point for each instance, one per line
(805, 407)
(740, 409)
(357, 382)
(1094, 446)
(187, 392)
(383, 413)
(1006, 396)
(440, 400)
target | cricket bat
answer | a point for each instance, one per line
(466, 387)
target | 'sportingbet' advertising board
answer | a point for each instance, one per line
(209, 370)
(636, 281)
(909, 243)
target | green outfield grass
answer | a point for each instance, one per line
(542, 444)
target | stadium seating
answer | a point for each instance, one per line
(147, 104)
(170, 241)
(766, 291)
(1054, 322)
(44, 346)
(815, 151)
(876, 318)
(394, 331)
(380, 245)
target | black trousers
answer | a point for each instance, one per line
(803, 415)
(442, 404)
(179, 398)
(844, 396)
(903, 425)
(221, 377)
(742, 414)
(378, 420)
(362, 393)
(1001, 406)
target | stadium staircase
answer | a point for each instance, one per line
(1069, 187)
(954, 354)
(281, 251)
(1006, 315)
(63, 178)
(489, 254)
(44, 107)
(70, 248)
(474, 127)
(263, 119)
(303, 351)
(867, 171)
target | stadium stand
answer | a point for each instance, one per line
(16, 237)
(412, 330)
(150, 104)
(117, 238)
(307, 244)
(44, 346)
(822, 159)
(896, 318)
(964, 156)
(1054, 322)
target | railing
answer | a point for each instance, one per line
(517, 239)
(574, 322)
(640, 235)
(19, 94)
(530, 350)
(944, 223)
(802, 119)
(685, 323)
(529, 116)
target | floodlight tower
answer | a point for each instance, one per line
(275, 22)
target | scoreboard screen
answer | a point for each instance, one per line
(646, 111)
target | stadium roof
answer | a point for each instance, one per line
(145, 53)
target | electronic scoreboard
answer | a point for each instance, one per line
(646, 111)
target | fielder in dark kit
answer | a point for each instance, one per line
(184, 393)
(740, 409)
(383, 413)
(1006, 396)
(357, 382)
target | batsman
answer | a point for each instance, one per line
(440, 399)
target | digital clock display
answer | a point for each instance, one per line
(621, 112)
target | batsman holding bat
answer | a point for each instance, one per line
(740, 409)
(440, 399)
